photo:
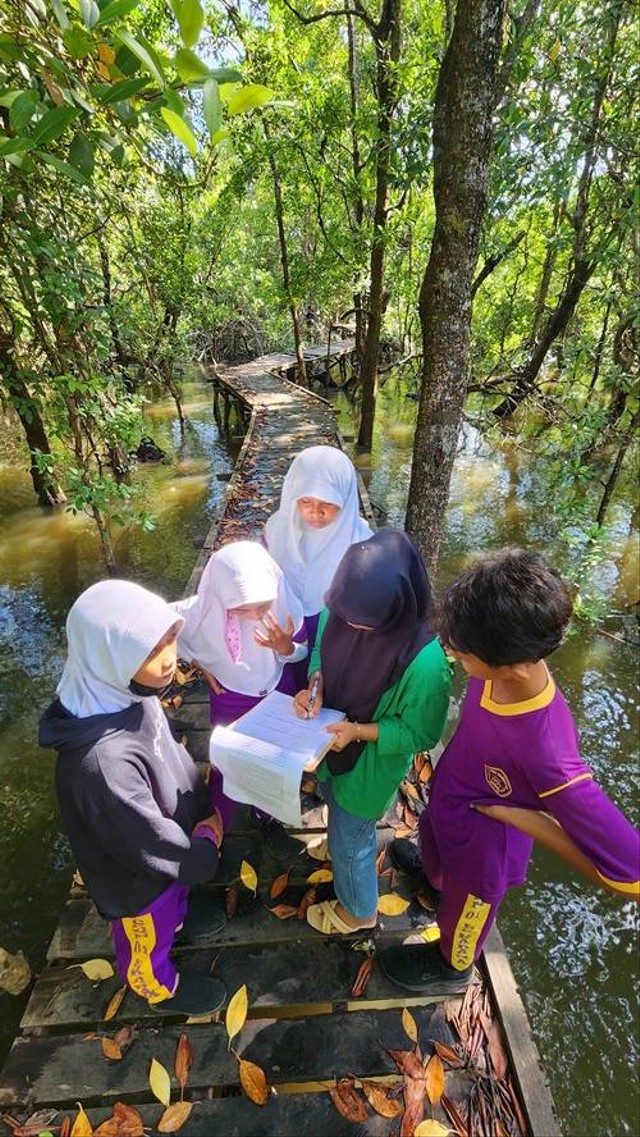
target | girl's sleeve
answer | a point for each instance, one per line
(421, 709)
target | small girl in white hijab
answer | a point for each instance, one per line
(241, 630)
(317, 521)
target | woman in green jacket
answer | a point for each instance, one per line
(377, 659)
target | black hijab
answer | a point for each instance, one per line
(382, 584)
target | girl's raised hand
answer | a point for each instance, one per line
(270, 634)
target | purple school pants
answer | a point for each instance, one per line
(142, 944)
(464, 920)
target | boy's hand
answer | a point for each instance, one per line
(305, 706)
(344, 733)
(214, 823)
(271, 635)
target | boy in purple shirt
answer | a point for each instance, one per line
(514, 758)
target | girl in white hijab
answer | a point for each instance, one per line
(240, 629)
(317, 521)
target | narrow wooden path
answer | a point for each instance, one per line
(309, 1024)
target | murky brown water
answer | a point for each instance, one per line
(573, 950)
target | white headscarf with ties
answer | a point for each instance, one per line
(240, 573)
(309, 557)
(111, 629)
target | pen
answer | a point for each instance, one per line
(315, 683)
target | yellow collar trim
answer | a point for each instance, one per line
(523, 708)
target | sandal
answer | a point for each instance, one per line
(324, 918)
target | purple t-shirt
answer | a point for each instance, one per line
(522, 754)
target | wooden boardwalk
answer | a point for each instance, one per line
(309, 1026)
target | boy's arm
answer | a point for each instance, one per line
(547, 831)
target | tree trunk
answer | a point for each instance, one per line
(46, 486)
(387, 42)
(462, 146)
(356, 167)
(284, 260)
(610, 486)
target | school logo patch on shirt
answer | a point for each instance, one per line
(498, 781)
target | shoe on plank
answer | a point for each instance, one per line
(405, 857)
(204, 920)
(195, 995)
(423, 970)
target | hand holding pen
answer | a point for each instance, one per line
(305, 701)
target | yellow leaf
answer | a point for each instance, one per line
(115, 1002)
(174, 1117)
(106, 54)
(410, 1025)
(81, 1126)
(431, 1128)
(392, 905)
(320, 875)
(96, 969)
(434, 1077)
(160, 1082)
(554, 50)
(248, 876)
(237, 1011)
(104, 72)
(431, 933)
(253, 1082)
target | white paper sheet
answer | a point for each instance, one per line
(262, 755)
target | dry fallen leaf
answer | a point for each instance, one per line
(414, 1092)
(454, 1116)
(160, 1082)
(431, 1128)
(434, 1078)
(308, 899)
(279, 885)
(129, 1120)
(174, 1117)
(392, 905)
(81, 1126)
(249, 876)
(184, 1058)
(362, 978)
(237, 1011)
(347, 1101)
(496, 1049)
(108, 1128)
(96, 969)
(319, 876)
(111, 1050)
(124, 1037)
(65, 1128)
(448, 1054)
(380, 1101)
(114, 1004)
(253, 1081)
(230, 901)
(284, 911)
(410, 1025)
(407, 1062)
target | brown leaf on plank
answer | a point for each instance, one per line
(380, 1101)
(279, 885)
(129, 1120)
(409, 790)
(124, 1037)
(308, 899)
(347, 1101)
(111, 1050)
(409, 817)
(426, 773)
(408, 1063)
(404, 831)
(362, 978)
(414, 1095)
(454, 1116)
(65, 1128)
(448, 1054)
(253, 1081)
(114, 1004)
(108, 1128)
(380, 861)
(184, 1058)
(434, 1079)
(174, 1117)
(496, 1048)
(498, 1128)
(284, 911)
(231, 901)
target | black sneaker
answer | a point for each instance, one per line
(423, 969)
(204, 921)
(195, 995)
(276, 836)
(405, 857)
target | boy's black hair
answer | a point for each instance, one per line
(511, 606)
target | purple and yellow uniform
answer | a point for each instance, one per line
(526, 755)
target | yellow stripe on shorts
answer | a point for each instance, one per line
(141, 934)
(468, 931)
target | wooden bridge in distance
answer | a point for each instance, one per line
(310, 1024)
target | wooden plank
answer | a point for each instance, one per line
(57, 1070)
(308, 976)
(523, 1052)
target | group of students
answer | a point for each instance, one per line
(333, 614)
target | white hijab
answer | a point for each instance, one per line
(111, 629)
(310, 557)
(242, 572)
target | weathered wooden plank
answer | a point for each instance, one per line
(308, 976)
(59, 1070)
(523, 1051)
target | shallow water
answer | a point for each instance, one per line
(573, 949)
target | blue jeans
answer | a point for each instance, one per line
(353, 849)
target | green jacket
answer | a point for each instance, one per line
(411, 716)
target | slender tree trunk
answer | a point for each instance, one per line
(46, 486)
(284, 259)
(627, 439)
(462, 147)
(387, 41)
(356, 167)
